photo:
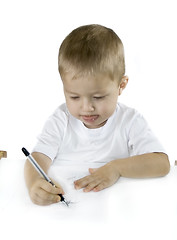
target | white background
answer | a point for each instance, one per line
(30, 87)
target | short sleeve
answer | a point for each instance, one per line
(49, 141)
(141, 138)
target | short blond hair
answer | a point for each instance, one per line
(92, 49)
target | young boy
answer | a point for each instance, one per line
(92, 127)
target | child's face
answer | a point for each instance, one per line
(91, 99)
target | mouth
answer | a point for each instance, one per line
(90, 118)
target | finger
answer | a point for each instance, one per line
(48, 197)
(100, 186)
(44, 202)
(103, 184)
(43, 193)
(83, 182)
(92, 185)
(43, 198)
(57, 185)
(48, 187)
(92, 170)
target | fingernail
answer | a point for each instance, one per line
(76, 186)
(58, 199)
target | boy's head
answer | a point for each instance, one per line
(90, 50)
(91, 65)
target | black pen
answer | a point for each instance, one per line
(43, 174)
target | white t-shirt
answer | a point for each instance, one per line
(67, 141)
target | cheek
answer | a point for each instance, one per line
(106, 108)
(109, 107)
(111, 102)
(72, 107)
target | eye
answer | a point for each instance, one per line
(74, 97)
(98, 98)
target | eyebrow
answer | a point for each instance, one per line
(70, 92)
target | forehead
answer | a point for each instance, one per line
(88, 83)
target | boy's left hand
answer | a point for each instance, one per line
(99, 178)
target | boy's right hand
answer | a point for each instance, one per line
(43, 193)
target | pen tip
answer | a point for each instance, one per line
(66, 203)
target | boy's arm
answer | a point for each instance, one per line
(140, 166)
(41, 192)
(143, 166)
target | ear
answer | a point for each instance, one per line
(123, 84)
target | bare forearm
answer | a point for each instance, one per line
(30, 173)
(143, 166)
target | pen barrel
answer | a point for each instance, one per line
(39, 169)
(41, 172)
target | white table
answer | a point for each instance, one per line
(131, 209)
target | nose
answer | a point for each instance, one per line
(87, 105)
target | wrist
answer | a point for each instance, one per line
(117, 166)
